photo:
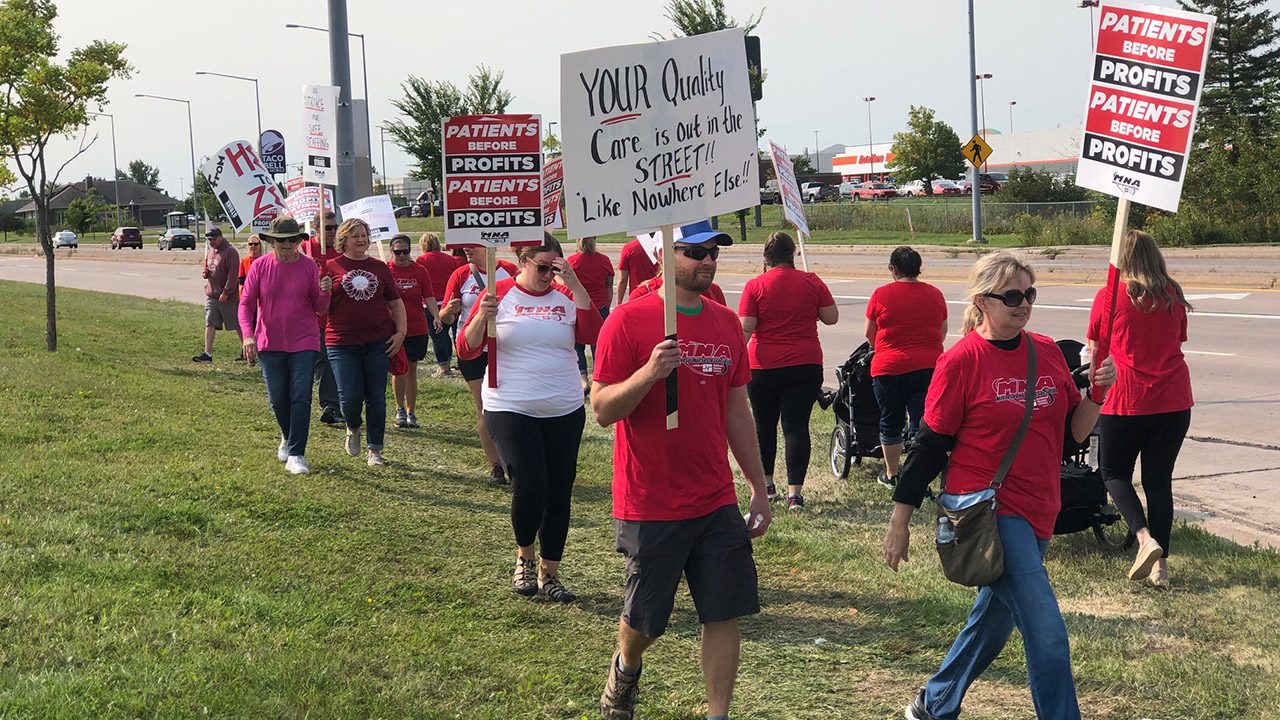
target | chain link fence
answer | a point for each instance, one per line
(940, 217)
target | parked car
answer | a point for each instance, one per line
(65, 238)
(771, 193)
(846, 190)
(402, 211)
(874, 191)
(177, 238)
(125, 237)
(942, 186)
(992, 182)
(966, 187)
(813, 192)
(915, 188)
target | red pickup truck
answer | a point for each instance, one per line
(873, 191)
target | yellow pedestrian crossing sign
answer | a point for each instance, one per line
(976, 151)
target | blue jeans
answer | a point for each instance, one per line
(900, 397)
(288, 379)
(440, 342)
(1021, 598)
(361, 372)
(582, 349)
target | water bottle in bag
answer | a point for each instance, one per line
(946, 532)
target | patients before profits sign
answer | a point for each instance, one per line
(792, 202)
(320, 122)
(241, 183)
(493, 180)
(657, 133)
(1143, 96)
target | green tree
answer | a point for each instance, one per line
(86, 212)
(43, 96)
(141, 173)
(1029, 185)
(1242, 79)
(209, 205)
(427, 103)
(551, 144)
(699, 17)
(927, 149)
(802, 164)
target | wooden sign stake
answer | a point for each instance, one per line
(491, 330)
(1113, 282)
(669, 316)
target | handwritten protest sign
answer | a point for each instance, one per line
(378, 212)
(241, 183)
(552, 185)
(493, 180)
(1144, 94)
(320, 120)
(657, 133)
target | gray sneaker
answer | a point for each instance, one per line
(402, 418)
(618, 701)
(353, 442)
(411, 421)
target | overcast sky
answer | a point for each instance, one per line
(822, 58)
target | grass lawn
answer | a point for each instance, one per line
(156, 561)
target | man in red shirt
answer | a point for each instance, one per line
(634, 267)
(673, 494)
(311, 247)
(330, 407)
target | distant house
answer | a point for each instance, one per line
(140, 205)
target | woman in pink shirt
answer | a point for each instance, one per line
(283, 293)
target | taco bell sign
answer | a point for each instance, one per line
(271, 148)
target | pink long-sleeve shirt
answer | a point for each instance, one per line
(279, 304)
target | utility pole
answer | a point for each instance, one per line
(340, 75)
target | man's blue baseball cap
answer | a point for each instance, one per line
(700, 232)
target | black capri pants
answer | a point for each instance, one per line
(788, 394)
(1157, 438)
(541, 458)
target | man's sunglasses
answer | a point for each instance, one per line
(1014, 298)
(405, 251)
(331, 228)
(698, 253)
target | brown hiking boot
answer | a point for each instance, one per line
(618, 701)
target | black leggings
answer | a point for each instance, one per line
(541, 457)
(1158, 438)
(787, 393)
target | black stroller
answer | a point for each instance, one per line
(1085, 503)
(857, 431)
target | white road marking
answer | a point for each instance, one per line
(1219, 296)
(1206, 352)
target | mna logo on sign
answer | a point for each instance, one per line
(1126, 184)
(495, 236)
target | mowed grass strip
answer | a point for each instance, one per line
(156, 561)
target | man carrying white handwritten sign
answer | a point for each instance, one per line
(673, 494)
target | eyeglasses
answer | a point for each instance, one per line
(401, 252)
(545, 269)
(698, 253)
(1014, 298)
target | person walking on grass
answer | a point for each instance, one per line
(421, 314)
(440, 265)
(1148, 412)
(466, 284)
(906, 326)
(673, 495)
(972, 413)
(780, 311)
(221, 291)
(535, 414)
(366, 326)
(595, 270)
(283, 293)
(330, 407)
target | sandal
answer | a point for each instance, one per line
(555, 590)
(525, 579)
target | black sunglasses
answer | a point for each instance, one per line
(255, 244)
(698, 253)
(331, 227)
(1014, 298)
(544, 269)
(401, 252)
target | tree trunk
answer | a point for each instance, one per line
(50, 288)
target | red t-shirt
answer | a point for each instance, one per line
(439, 265)
(358, 304)
(784, 301)
(637, 264)
(245, 262)
(1151, 374)
(908, 318)
(977, 397)
(414, 285)
(653, 285)
(311, 248)
(593, 270)
(661, 474)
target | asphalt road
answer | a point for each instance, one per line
(1228, 473)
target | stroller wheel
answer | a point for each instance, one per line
(1111, 530)
(839, 451)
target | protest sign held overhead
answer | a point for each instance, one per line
(1144, 93)
(262, 221)
(552, 185)
(378, 212)
(303, 204)
(657, 133)
(792, 202)
(493, 180)
(320, 123)
(241, 183)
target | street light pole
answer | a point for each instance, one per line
(257, 100)
(382, 141)
(816, 159)
(364, 68)
(982, 90)
(116, 170)
(973, 119)
(191, 137)
(1011, 104)
(1091, 4)
(870, 150)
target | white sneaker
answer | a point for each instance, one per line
(297, 465)
(282, 452)
(375, 458)
(353, 442)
